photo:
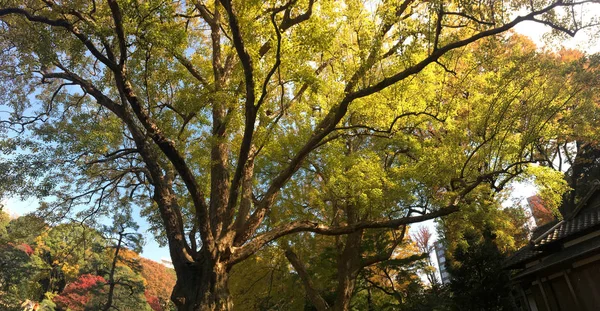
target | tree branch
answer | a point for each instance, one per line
(64, 24)
(313, 295)
(436, 54)
(190, 68)
(369, 261)
(250, 108)
(118, 19)
(289, 21)
(162, 196)
(318, 228)
(461, 14)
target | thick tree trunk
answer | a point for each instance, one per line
(348, 266)
(202, 287)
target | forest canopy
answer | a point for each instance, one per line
(72, 266)
(304, 128)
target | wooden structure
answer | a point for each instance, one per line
(560, 269)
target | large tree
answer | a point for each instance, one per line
(208, 114)
(366, 177)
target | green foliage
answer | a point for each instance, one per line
(73, 249)
(478, 239)
(265, 282)
(18, 271)
(485, 213)
(201, 114)
(437, 298)
(4, 221)
(25, 229)
(478, 281)
(503, 99)
(47, 304)
(20, 267)
(551, 186)
(67, 265)
(128, 295)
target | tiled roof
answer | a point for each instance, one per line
(585, 218)
(522, 255)
(573, 252)
(540, 230)
(566, 228)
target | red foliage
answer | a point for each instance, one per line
(153, 301)
(77, 294)
(423, 239)
(26, 248)
(540, 213)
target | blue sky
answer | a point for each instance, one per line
(14, 206)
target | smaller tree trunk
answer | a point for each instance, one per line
(111, 278)
(344, 293)
(312, 294)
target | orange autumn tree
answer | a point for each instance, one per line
(160, 281)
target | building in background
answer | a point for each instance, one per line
(540, 213)
(440, 253)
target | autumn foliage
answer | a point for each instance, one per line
(69, 266)
(77, 295)
(26, 248)
(160, 281)
(153, 301)
(540, 213)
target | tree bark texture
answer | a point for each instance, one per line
(202, 286)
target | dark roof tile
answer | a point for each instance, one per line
(564, 255)
(571, 227)
(585, 218)
(520, 256)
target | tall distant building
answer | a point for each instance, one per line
(540, 213)
(440, 253)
